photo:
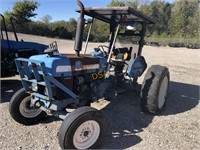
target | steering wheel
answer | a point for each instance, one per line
(101, 48)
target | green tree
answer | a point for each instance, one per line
(100, 32)
(46, 19)
(71, 26)
(131, 3)
(7, 16)
(182, 13)
(134, 4)
(59, 29)
(159, 12)
(194, 25)
(23, 11)
(115, 3)
(145, 9)
(39, 28)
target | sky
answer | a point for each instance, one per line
(57, 9)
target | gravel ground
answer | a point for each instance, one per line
(177, 127)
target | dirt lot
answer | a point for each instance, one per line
(177, 127)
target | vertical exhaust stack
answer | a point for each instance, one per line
(79, 30)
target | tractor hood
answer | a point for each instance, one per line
(67, 65)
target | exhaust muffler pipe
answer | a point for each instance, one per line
(79, 29)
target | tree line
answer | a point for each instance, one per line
(177, 20)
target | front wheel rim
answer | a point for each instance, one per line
(163, 92)
(86, 134)
(26, 110)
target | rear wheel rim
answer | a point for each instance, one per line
(26, 110)
(163, 92)
(86, 134)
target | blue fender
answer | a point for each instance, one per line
(14, 45)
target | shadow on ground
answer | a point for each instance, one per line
(8, 88)
(123, 115)
(125, 120)
(182, 97)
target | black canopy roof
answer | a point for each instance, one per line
(117, 15)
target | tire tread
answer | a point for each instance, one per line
(150, 88)
(73, 117)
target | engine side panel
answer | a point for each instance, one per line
(56, 65)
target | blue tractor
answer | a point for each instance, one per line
(12, 49)
(54, 83)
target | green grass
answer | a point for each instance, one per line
(165, 40)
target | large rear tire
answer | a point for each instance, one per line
(21, 111)
(84, 128)
(155, 89)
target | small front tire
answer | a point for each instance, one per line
(20, 110)
(84, 128)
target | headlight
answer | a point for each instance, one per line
(34, 87)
